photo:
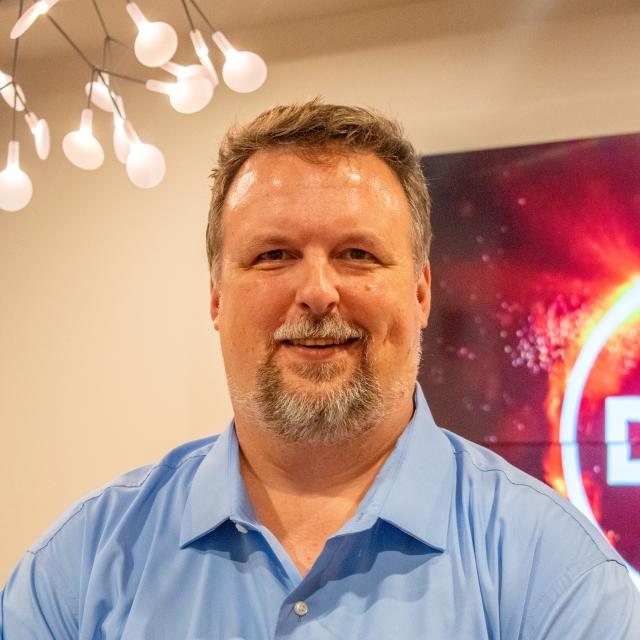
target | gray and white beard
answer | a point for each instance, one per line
(327, 414)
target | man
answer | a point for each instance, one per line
(332, 507)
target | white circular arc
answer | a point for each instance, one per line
(628, 304)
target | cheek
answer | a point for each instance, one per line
(249, 313)
(390, 317)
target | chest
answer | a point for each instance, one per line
(377, 585)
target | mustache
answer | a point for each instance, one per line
(330, 326)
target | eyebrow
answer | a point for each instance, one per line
(362, 238)
(272, 239)
(260, 241)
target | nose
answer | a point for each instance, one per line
(316, 291)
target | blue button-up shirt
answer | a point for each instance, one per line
(450, 542)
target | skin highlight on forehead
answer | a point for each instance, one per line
(266, 180)
(240, 187)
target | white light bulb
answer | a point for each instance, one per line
(15, 185)
(9, 92)
(145, 165)
(81, 147)
(156, 42)
(202, 51)
(187, 95)
(120, 140)
(243, 71)
(40, 130)
(30, 16)
(101, 94)
(182, 71)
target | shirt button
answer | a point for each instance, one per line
(301, 608)
(241, 528)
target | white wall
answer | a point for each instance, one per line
(107, 357)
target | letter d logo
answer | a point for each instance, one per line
(620, 413)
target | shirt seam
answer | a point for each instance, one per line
(548, 497)
(86, 501)
(551, 595)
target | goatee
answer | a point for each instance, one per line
(332, 412)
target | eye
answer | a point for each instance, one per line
(271, 256)
(359, 255)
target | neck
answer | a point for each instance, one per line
(314, 468)
(304, 492)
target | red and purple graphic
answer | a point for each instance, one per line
(533, 347)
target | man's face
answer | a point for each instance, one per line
(317, 301)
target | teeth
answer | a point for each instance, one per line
(316, 342)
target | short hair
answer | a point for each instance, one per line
(312, 127)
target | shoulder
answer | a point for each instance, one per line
(496, 490)
(164, 481)
(532, 548)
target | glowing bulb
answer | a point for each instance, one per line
(30, 16)
(9, 92)
(101, 94)
(156, 42)
(243, 71)
(15, 185)
(81, 147)
(182, 71)
(120, 139)
(145, 165)
(187, 95)
(40, 130)
(202, 51)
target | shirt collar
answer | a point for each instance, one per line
(411, 492)
(217, 493)
(419, 495)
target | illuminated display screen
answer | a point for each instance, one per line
(533, 346)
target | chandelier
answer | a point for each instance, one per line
(190, 89)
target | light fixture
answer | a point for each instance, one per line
(186, 95)
(15, 185)
(30, 16)
(40, 130)
(145, 163)
(8, 92)
(243, 71)
(81, 147)
(154, 46)
(202, 51)
(101, 94)
(156, 42)
(182, 71)
(120, 139)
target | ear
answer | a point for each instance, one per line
(423, 295)
(214, 308)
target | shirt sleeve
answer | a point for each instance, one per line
(37, 603)
(601, 604)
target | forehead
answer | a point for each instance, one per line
(270, 179)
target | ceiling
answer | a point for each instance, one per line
(283, 28)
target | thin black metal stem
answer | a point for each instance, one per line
(199, 10)
(101, 73)
(122, 44)
(14, 66)
(93, 74)
(105, 46)
(4, 86)
(102, 22)
(186, 10)
(23, 102)
(70, 41)
(121, 75)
